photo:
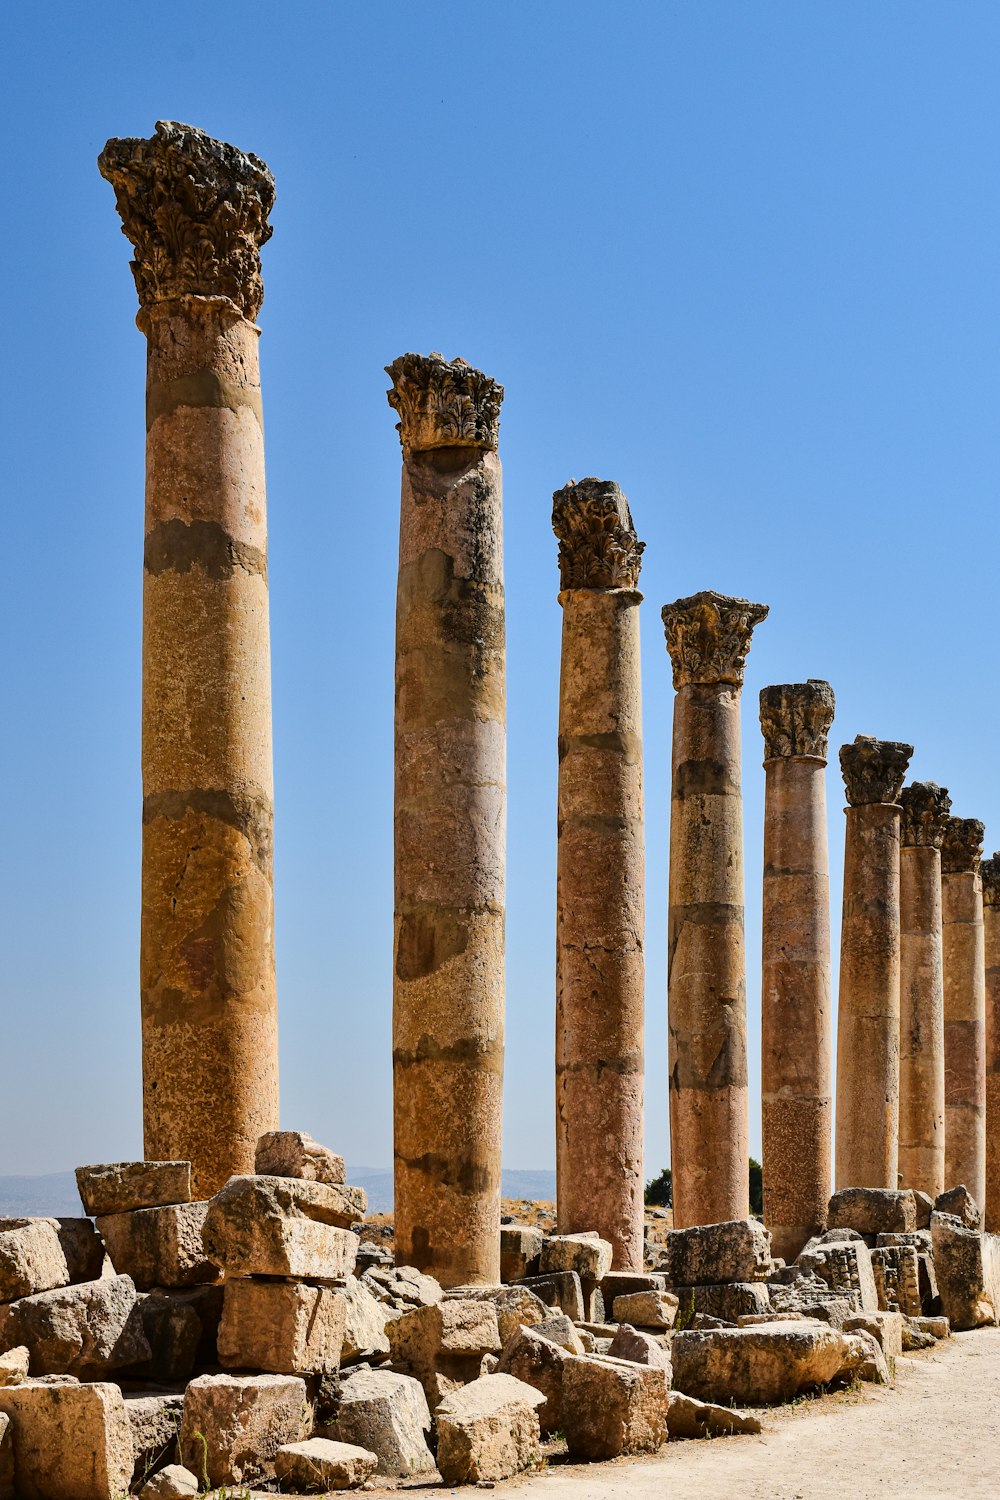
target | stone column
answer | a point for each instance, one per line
(868, 1009)
(196, 213)
(708, 637)
(600, 902)
(921, 989)
(964, 1007)
(990, 872)
(450, 822)
(796, 1005)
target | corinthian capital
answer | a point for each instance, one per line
(795, 718)
(873, 770)
(598, 547)
(963, 846)
(443, 403)
(708, 637)
(196, 212)
(990, 871)
(925, 814)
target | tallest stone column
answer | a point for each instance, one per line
(196, 212)
(450, 822)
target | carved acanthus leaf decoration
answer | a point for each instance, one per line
(925, 814)
(196, 211)
(598, 547)
(708, 637)
(990, 871)
(963, 846)
(874, 770)
(443, 403)
(795, 718)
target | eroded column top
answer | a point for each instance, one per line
(708, 637)
(195, 210)
(873, 770)
(443, 403)
(963, 846)
(598, 547)
(795, 718)
(925, 815)
(990, 871)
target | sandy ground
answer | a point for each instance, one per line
(935, 1434)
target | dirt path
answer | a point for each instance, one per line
(935, 1434)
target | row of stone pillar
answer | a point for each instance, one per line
(196, 211)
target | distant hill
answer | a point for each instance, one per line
(55, 1193)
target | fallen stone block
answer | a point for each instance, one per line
(757, 1366)
(688, 1418)
(160, 1246)
(364, 1324)
(14, 1366)
(915, 1338)
(515, 1305)
(924, 1206)
(279, 1226)
(318, 1465)
(587, 1255)
(31, 1260)
(81, 1244)
(403, 1286)
(560, 1289)
(68, 1441)
(846, 1267)
(88, 1330)
(562, 1331)
(181, 1328)
(729, 1301)
(292, 1153)
(520, 1251)
(809, 1295)
(872, 1210)
(939, 1328)
(710, 1254)
(488, 1431)
(443, 1345)
(233, 1425)
(172, 1483)
(155, 1423)
(967, 1267)
(864, 1359)
(641, 1348)
(121, 1186)
(646, 1309)
(959, 1202)
(896, 1269)
(624, 1283)
(539, 1362)
(387, 1414)
(918, 1239)
(885, 1327)
(281, 1327)
(612, 1407)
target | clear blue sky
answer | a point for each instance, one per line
(739, 257)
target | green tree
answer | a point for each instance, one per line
(756, 1187)
(660, 1192)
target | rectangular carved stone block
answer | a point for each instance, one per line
(31, 1260)
(292, 1153)
(873, 1210)
(87, 1330)
(233, 1425)
(160, 1246)
(81, 1244)
(710, 1254)
(560, 1289)
(282, 1327)
(730, 1302)
(520, 1249)
(613, 1406)
(896, 1269)
(121, 1186)
(279, 1226)
(69, 1442)
(845, 1266)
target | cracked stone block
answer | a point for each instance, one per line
(488, 1431)
(515, 1305)
(160, 1246)
(967, 1266)
(641, 1348)
(233, 1425)
(873, 1210)
(155, 1422)
(68, 1441)
(539, 1362)
(122, 1186)
(688, 1418)
(280, 1226)
(364, 1324)
(560, 1289)
(31, 1260)
(386, 1413)
(292, 1153)
(646, 1309)
(282, 1327)
(760, 1365)
(520, 1251)
(846, 1267)
(896, 1269)
(710, 1254)
(172, 1483)
(320, 1465)
(88, 1330)
(587, 1255)
(886, 1328)
(612, 1407)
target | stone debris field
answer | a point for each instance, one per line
(223, 1317)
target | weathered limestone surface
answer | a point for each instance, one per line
(796, 1005)
(708, 637)
(921, 988)
(14, 1365)
(868, 1010)
(757, 1366)
(713, 1253)
(87, 1330)
(160, 1246)
(154, 1422)
(520, 1250)
(31, 1259)
(967, 1265)
(515, 1305)
(196, 212)
(280, 1226)
(646, 1309)
(873, 1210)
(585, 1254)
(242, 1420)
(317, 1464)
(172, 1483)
(529, 1356)
(121, 1186)
(292, 1153)
(364, 1323)
(964, 1006)
(450, 822)
(488, 1431)
(613, 1406)
(70, 1441)
(990, 872)
(386, 1413)
(688, 1418)
(282, 1327)
(601, 875)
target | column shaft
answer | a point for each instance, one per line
(600, 889)
(921, 1022)
(796, 1006)
(991, 943)
(450, 827)
(964, 1008)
